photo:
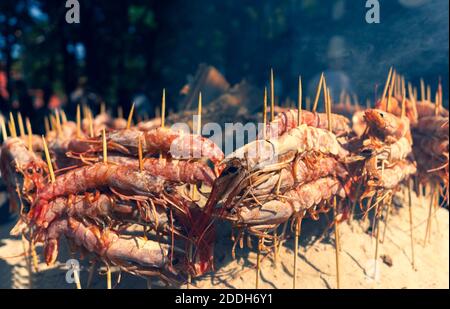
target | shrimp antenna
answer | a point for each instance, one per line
(105, 147)
(387, 83)
(272, 96)
(49, 161)
(20, 122)
(12, 125)
(30, 134)
(130, 116)
(319, 89)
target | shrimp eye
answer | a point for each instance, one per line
(230, 170)
(30, 170)
(382, 116)
(38, 170)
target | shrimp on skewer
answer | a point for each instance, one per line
(177, 144)
(122, 178)
(287, 120)
(135, 253)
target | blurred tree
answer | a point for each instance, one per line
(136, 46)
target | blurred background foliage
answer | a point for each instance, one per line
(125, 47)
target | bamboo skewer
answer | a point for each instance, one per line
(130, 117)
(105, 147)
(21, 127)
(49, 161)
(297, 235)
(403, 98)
(377, 242)
(388, 210)
(105, 160)
(163, 109)
(337, 245)
(319, 88)
(428, 227)
(12, 125)
(30, 134)
(58, 123)
(76, 278)
(141, 162)
(91, 124)
(330, 119)
(411, 224)
(78, 116)
(102, 108)
(199, 115)
(391, 88)
(258, 263)
(46, 125)
(108, 278)
(272, 96)
(325, 96)
(27, 261)
(300, 95)
(422, 90)
(265, 113)
(4, 132)
(63, 116)
(388, 80)
(91, 274)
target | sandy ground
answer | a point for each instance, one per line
(316, 259)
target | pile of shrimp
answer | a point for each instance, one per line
(148, 199)
(296, 168)
(429, 122)
(132, 204)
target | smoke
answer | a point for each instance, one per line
(414, 40)
(412, 36)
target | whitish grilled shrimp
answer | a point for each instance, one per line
(287, 120)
